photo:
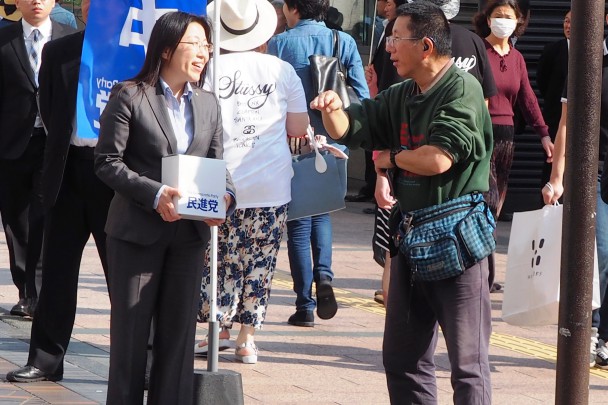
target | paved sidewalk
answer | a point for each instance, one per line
(336, 362)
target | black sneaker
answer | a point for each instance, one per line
(302, 318)
(359, 198)
(601, 355)
(326, 300)
(379, 297)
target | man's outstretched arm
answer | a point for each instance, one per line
(335, 120)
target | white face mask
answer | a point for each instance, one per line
(502, 27)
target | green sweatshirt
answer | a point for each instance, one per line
(452, 115)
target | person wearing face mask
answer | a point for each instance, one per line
(496, 24)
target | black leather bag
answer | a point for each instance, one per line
(328, 73)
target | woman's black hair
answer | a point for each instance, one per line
(166, 34)
(480, 20)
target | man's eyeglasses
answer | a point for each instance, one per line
(390, 41)
(201, 46)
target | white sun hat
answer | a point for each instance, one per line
(244, 24)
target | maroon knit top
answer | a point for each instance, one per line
(511, 77)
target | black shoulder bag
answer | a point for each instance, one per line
(328, 73)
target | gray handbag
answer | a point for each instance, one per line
(316, 189)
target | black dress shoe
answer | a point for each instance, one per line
(31, 374)
(326, 300)
(495, 287)
(25, 307)
(359, 198)
(302, 318)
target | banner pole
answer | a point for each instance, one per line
(371, 42)
(213, 332)
(217, 387)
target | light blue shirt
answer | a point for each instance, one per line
(63, 16)
(180, 114)
(310, 37)
(46, 30)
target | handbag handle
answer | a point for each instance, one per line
(337, 55)
(320, 163)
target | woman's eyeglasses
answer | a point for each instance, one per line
(201, 46)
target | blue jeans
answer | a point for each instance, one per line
(600, 316)
(303, 235)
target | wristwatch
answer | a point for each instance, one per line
(393, 155)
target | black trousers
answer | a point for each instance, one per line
(163, 281)
(23, 215)
(81, 209)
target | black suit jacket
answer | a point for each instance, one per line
(135, 135)
(550, 78)
(383, 65)
(18, 89)
(5, 23)
(58, 80)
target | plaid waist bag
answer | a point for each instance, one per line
(443, 240)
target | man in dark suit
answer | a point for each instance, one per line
(550, 77)
(76, 204)
(22, 140)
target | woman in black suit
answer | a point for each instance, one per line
(154, 258)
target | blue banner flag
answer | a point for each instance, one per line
(115, 41)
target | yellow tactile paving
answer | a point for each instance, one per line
(516, 344)
(535, 349)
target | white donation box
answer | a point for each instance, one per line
(201, 182)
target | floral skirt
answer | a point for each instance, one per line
(248, 244)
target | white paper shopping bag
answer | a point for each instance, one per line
(533, 268)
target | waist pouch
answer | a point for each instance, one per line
(443, 240)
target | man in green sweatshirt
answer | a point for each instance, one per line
(438, 130)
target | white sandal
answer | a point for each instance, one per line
(223, 344)
(247, 358)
